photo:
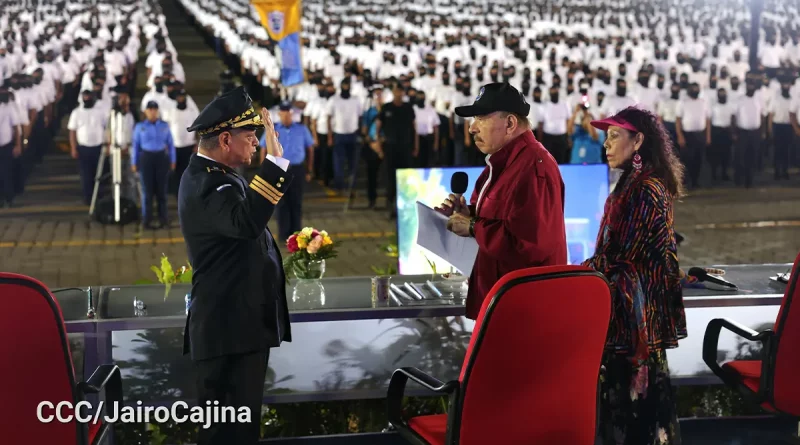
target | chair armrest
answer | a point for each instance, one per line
(397, 387)
(711, 341)
(106, 378)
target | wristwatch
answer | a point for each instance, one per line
(472, 226)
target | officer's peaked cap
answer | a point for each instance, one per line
(233, 109)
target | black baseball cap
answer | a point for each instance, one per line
(152, 104)
(495, 97)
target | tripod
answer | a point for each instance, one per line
(116, 176)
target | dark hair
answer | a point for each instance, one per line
(657, 150)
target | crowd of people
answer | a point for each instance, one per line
(572, 62)
(79, 61)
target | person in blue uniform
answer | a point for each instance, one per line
(153, 156)
(298, 148)
(238, 308)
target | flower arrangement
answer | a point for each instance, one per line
(168, 276)
(308, 249)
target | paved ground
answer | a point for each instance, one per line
(50, 237)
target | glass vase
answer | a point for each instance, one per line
(308, 291)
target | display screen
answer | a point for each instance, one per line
(586, 190)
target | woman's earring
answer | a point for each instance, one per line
(637, 160)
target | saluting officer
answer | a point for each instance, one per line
(297, 143)
(238, 309)
(153, 156)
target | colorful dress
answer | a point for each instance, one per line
(637, 253)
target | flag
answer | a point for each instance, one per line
(281, 19)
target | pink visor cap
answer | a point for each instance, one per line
(613, 121)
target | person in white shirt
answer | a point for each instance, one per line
(87, 126)
(667, 107)
(120, 134)
(748, 131)
(10, 144)
(779, 127)
(693, 129)
(180, 117)
(427, 124)
(618, 101)
(722, 112)
(344, 113)
(553, 126)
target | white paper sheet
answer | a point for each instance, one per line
(432, 234)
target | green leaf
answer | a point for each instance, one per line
(158, 273)
(166, 268)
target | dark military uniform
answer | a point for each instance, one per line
(238, 308)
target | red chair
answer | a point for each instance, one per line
(772, 381)
(37, 367)
(531, 370)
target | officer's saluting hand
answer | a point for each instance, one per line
(238, 307)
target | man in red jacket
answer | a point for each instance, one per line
(516, 212)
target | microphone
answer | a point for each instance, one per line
(458, 185)
(712, 282)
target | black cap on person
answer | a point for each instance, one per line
(495, 97)
(228, 111)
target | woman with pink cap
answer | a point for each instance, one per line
(637, 252)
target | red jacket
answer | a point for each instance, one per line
(520, 217)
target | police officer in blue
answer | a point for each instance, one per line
(153, 156)
(298, 148)
(238, 309)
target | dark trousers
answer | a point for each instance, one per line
(373, 168)
(745, 154)
(153, 172)
(233, 381)
(290, 207)
(443, 156)
(673, 135)
(183, 154)
(692, 155)
(323, 160)
(783, 137)
(397, 155)
(344, 150)
(7, 172)
(426, 153)
(88, 157)
(459, 150)
(558, 146)
(719, 154)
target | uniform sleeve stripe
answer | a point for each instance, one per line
(261, 188)
(267, 185)
(269, 198)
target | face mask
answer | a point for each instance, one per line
(722, 99)
(88, 103)
(734, 86)
(675, 94)
(751, 91)
(182, 105)
(537, 98)
(583, 90)
(723, 74)
(712, 84)
(660, 84)
(467, 90)
(736, 57)
(785, 92)
(345, 94)
(526, 88)
(643, 81)
(694, 94)
(4, 98)
(621, 91)
(479, 76)
(420, 102)
(554, 97)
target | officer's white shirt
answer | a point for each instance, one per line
(748, 112)
(319, 114)
(121, 128)
(345, 114)
(555, 116)
(426, 118)
(780, 107)
(647, 98)
(613, 104)
(9, 119)
(693, 114)
(179, 121)
(721, 114)
(89, 125)
(667, 109)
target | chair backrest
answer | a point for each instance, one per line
(36, 365)
(786, 377)
(531, 372)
